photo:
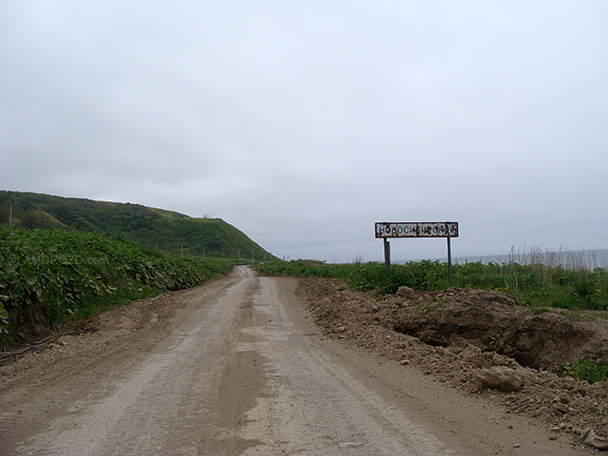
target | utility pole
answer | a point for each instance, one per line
(10, 216)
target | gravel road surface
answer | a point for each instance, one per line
(237, 367)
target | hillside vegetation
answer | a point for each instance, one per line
(51, 276)
(155, 228)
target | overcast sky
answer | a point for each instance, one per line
(303, 123)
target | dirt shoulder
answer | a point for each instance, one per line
(454, 336)
(117, 334)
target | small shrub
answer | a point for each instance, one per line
(588, 369)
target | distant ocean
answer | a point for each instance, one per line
(569, 259)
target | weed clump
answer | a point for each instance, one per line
(590, 370)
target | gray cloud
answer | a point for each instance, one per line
(303, 123)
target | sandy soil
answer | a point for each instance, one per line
(248, 365)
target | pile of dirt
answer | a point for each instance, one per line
(541, 338)
(460, 335)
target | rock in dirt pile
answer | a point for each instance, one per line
(480, 342)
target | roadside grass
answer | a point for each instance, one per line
(535, 284)
(51, 276)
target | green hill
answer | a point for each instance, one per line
(156, 228)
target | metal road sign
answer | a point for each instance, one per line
(416, 229)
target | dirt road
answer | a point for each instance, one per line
(236, 367)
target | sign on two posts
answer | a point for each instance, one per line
(386, 230)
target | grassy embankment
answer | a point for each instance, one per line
(51, 276)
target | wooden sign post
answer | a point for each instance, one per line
(386, 230)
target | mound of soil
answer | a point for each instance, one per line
(457, 334)
(541, 338)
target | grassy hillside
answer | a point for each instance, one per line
(155, 228)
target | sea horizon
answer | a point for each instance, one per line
(568, 259)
